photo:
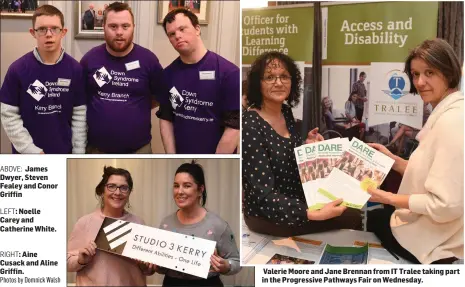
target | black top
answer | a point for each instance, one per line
(270, 178)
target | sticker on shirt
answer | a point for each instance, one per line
(63, 82)
(37, 90)
(132, 65)
(175, 98)
(207, 75)
(102, 77)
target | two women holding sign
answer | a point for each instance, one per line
(97, 268)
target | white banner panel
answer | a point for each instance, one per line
(183, 253)
(390, 100)
(32, 220)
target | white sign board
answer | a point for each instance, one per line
(183, 253)
(390, 100)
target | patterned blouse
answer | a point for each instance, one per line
(270, 179)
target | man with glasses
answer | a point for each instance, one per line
(43, 97)
(199, 113)
(122, 78)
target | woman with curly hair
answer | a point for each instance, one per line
(274, 201)
(98, 268)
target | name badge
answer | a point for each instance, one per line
(63, 82)
(132, 66)
(207, 75)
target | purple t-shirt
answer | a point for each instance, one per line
(199, 96)
(120, 92)
(45, 95)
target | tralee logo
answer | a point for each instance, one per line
(398, 83)
(102, 77)
(175, 98)
(37, 90)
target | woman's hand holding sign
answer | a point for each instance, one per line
(87, 253)
(147, 268)
(219, 264)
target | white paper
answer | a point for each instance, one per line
(252, 243)
(315, 162)
(359, 167)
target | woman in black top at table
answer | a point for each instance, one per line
(273, 199)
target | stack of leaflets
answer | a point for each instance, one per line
(305, 251)
(252, 243)
(338, 168)
(283, 259)
(377, 254)
(344, 255)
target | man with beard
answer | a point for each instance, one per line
(122, 78)
(207, 87)
(43, 97)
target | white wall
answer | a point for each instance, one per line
(339, 87)
(221, 35)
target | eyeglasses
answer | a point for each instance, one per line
(113, 187)
(42, 31)
(272, 79)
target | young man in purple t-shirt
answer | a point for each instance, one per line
(122, 79)
(43, 104)
(199, 111)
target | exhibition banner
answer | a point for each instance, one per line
(287, 30)
(183, 253)
(358, 33)
(354, 35)
(377, 32)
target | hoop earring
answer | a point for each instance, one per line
(251, 106)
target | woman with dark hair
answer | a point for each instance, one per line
(349, 107)
(351, 114)
(327, 113)
(274, 201)
(429, 202)
(94, 267)
(192, 218)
